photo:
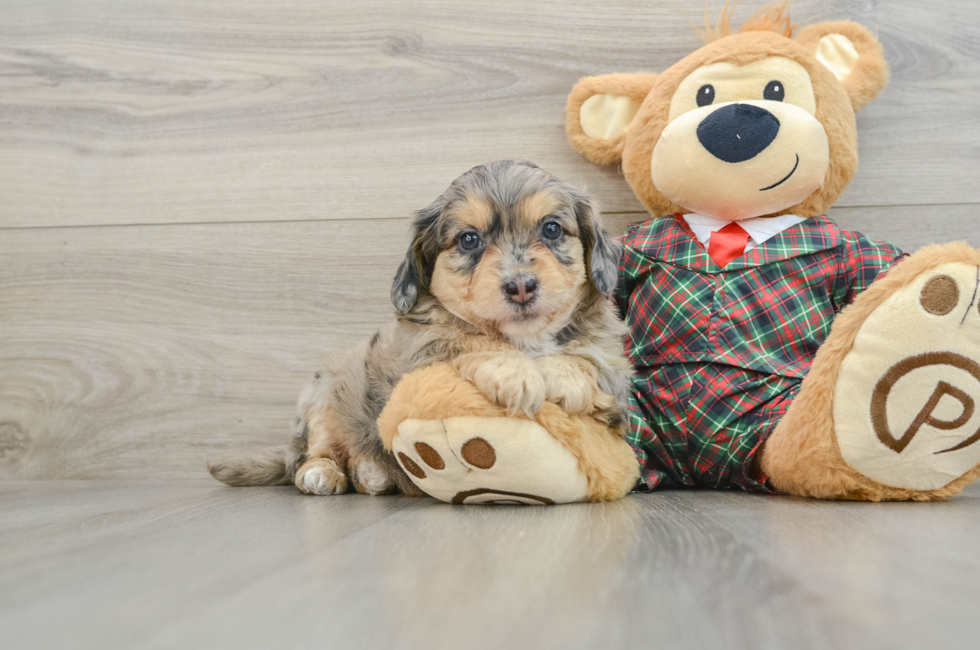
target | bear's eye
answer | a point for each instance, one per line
(774, 91)
(706, 95)
(469, 241)
(551, 230)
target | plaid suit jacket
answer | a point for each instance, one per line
(720, 352)
(768, 311)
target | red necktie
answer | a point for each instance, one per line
(727, 244)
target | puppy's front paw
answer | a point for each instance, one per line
(508, 379)
(572, 384)
(368, 476)
(321, 476)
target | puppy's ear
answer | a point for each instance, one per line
(852, 53)
(599, 113)
(601, 251)
(405, 288)
(414, 270)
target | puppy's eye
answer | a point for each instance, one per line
(775, 91)
(706, 95)
(551, 230)
(469, 241)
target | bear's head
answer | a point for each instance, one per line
(756, 123)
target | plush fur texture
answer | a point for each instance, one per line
(871, 74)
(833, 111)
(846, 69)
(835, 102)
(771, 18)
(498, 224)
(440, 392)
(802, 456)
(636, 86)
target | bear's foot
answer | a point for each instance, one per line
(459, 447)
(889, 411)
(488, 460)
(905, 401)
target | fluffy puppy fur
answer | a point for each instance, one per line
(505, 278)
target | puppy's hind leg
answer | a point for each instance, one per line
(371, 475)
(321, 473)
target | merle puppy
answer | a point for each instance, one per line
(506, 275)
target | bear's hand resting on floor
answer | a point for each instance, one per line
(509, 379)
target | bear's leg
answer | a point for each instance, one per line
(458, 446)
(889, 408)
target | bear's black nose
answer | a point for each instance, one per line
(737, 132)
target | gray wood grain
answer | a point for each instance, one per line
(138, 350)
(122, 111)
(117, 564)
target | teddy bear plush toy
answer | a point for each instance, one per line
(773, 350)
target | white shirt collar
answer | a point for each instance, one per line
(759, 228)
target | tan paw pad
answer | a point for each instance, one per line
(488, 460)
(905, 404)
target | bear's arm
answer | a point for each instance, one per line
(862, 260)
(629, 271)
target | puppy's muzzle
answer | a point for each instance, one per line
(521, 289)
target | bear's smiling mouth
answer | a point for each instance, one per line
(785, 178)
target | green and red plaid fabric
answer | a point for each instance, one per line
(720, 353)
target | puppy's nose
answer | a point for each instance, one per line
(737, 132)
(521, 288)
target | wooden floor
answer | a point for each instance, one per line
(190, 564)
(200, 198)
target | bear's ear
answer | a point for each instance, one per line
(852, 53)
(599, 113)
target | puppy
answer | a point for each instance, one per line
(507, 277)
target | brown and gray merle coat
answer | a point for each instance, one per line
(508, 263)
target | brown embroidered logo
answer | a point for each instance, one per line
(500, 497)
(879, 400)
(940, 295)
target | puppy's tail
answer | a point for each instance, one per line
(271, 466)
